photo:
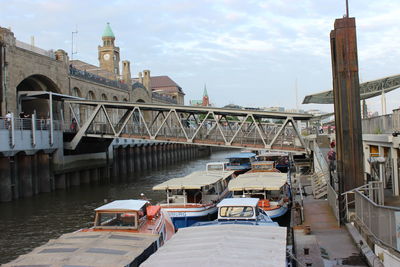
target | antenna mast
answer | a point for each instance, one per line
(72, 44)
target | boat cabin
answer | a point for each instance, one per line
(270, 187)
(125, 214)
(279, 160)
(241, 161)
(196, 188)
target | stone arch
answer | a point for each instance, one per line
(78, 109)
(140, 101)
(104, 97)
(115, 98)
(125, 100)
(38, 82)
(91, 95)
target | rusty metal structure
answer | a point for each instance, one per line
(240, 128)
(347, 107)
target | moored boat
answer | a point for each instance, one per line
(240, 162)
(270, 187)
(194, 197)
(280, 160)
(125, 233)
(133, 215)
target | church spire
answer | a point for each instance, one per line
(205, 94)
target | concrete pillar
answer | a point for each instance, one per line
(149, 158)
(115, 165)
(5, 179)
(122, 162)
(44, 172)
(176, 153)
(163, 158)
(154, 159)
(131, 159)
(74, 178)
(35, 175)
(138, 166)
(395, 178)
(94, 176)
(60, 181)
(143, 158)
(85, 177)
(25, 175)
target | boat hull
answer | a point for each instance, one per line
(182, 217)
(276, 213)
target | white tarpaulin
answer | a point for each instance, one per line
(223, 245)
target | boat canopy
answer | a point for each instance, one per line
(123, 205)
(242, 155)
(258, 181)
(238, 202)
(223, 245)
(195, 180)
(273, 154)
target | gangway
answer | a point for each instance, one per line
(236, 128)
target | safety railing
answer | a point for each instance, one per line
(164, 98)
(34, 49)
(370, 212)
(16, 125)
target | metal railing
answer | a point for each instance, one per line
(379, 220)
(97, 79)
(34, 49)
(378, 125)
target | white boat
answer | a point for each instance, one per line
(270, 187)
(193, 198)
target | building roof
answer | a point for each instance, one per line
(239, 202)
(83, 66)
(129, 204)
(223, 245)
(195, 180)
(108, 32)
(258, 181)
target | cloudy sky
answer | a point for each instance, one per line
(248, 52)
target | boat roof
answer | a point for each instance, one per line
(238, 202)
(195, 180)
(125, 205)
(258, 181)
(242, 155)
(273, 154)
(93, 249)
(223, 245)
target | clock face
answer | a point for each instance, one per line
(106, 56)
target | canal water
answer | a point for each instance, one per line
(31, 222)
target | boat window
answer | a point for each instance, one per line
(177, 192)
(125, 219)
(232, 211)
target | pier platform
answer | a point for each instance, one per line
(320, 240)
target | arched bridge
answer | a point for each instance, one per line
(211, 126)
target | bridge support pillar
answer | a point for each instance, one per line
(155, 157)
(122, 161)
(25, 175)
(176, 153)
(94, 176)
(44, 175)
(137, 159)
(131, 159)
(148, 158)
(5, 179)
(115, 165)
(143, 158)
(85, 177)
(60, 181)
(74, 179)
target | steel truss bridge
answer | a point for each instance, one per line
(236, 128)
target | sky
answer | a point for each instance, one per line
(250, 53)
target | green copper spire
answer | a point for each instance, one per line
(205, 91)
(108, 32)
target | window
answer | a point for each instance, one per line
(115, 57)
(120, 220)
(116, 71)
(244, 212)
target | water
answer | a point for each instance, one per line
(31, 222)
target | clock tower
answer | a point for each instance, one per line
(109, 53)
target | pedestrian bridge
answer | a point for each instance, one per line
(236, 128)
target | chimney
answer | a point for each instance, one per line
(126, 72)
(146, 80)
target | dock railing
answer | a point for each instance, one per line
(370, 213)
